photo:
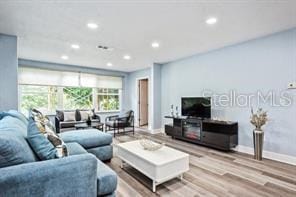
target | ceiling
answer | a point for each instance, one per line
(46, 29)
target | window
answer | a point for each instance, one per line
(108, 99)
(43, 98)
(49, 98)
(48, 90)
(77, 98)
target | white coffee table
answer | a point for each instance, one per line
(160, 165)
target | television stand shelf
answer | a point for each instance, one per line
(221, 135)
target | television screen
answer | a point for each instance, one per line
(196, 107)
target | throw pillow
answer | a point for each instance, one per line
(39, 143)
(93, 114)
(69, 116)
(84, 115)
(14, 150)
(47, 129)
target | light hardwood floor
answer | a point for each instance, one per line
(212, 173)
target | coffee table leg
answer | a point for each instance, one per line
(153, 186)
(121, 163)
(181, 177)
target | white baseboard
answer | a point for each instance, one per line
(160, 130)
(268, 155)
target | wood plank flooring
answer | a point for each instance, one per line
(212, 173)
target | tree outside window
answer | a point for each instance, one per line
(108, 99)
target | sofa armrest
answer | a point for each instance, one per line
(57, 124)
(70, 176)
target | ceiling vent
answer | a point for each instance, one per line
(105, 48)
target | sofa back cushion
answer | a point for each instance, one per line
(84, 115)
(12, 125)
(69, 116)
(61, 115)
(14, 150)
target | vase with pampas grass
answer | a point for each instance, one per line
(258, 119)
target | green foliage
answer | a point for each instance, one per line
(108, 102)
(77, 98)
(40, 97)
(46, 98)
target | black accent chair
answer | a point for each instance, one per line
(122, 121)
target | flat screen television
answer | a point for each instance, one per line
(199, 107)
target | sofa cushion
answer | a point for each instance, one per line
(14, 150)
(39, 143)
(115, 124)
(10, 124)
(124, 114)
(47, 129)
(69, 116)
(15, 114)
(84, 115)
(107, 179)
(103, 153)
(75, 149)
(88, 138)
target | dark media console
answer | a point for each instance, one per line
(217, 134)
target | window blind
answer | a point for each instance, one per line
(33, 76)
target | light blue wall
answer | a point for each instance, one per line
(132, 91)
(8, 72)
(263, 64)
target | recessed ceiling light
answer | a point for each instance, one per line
(155, 44)
(92, 25)
(109, 64)
(64, 57)
(75, 46)
(126, 57)
(211, 21)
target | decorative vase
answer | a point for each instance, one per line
(258, 137)
(172, 110)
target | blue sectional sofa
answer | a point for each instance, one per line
(80, 174)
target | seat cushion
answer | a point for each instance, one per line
(75, 148)
(103, 153)
(116, 123)
(107, 179)
(88, 138)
